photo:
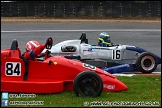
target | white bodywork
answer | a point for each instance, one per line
(117, 54)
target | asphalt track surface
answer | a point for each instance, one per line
(145, 35)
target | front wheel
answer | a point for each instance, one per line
(88, 84)
(146, 63)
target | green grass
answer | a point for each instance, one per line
(146, 89)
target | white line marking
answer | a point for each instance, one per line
(150, 73)
(124, 30)
(133, 74)
(157, 72)
(129, 75)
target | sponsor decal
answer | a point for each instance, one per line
(111, 87)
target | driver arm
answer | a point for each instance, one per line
(38, 50)
(34, 53)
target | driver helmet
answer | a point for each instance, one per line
(31, 45)
(104, 37)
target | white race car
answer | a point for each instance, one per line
(114, 59)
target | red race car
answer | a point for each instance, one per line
(53, 74)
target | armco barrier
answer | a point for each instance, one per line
(88, 9)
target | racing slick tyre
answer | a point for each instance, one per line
(146, 63)
(88, 84)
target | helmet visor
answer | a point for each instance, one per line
(107, 39)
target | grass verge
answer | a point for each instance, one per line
(143, 91)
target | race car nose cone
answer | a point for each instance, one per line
(123, 87)
(113, 84)
(120, 86)
(115, 88)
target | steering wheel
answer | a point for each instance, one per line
(49, 43)
(47, 54)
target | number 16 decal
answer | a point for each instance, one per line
(13, 69)
(116, 54)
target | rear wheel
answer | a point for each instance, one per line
(88, 84)
(146, 63)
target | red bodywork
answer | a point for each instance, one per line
(44, 78)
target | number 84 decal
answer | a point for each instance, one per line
(13, 69)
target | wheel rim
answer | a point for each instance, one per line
(88, 86)
(148, 63)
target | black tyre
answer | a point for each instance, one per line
(146, 63)
(88, 84)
